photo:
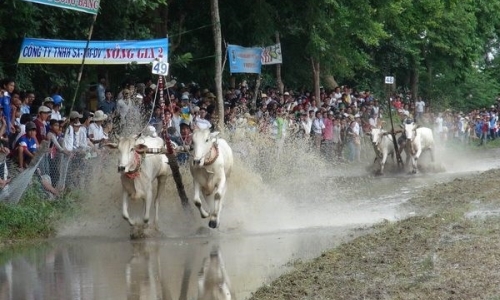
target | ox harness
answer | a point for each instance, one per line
(138, 162)
(139, 156)
(212, 154)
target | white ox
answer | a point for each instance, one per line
(139, 170)
(213, 281)
(210, 168)
(418, 139)
(383, 145)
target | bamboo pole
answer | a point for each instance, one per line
(79, 78)
(172, 158)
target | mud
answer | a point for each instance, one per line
(448, 250)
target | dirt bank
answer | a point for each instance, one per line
(449, 250)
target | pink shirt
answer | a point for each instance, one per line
(328, 131)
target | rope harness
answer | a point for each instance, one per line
(212, 155)
(138, 162)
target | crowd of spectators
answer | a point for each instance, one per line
(332, 126)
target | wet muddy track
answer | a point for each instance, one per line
(261, 236)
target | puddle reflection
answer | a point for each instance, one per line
(120, 270)
(192, 268)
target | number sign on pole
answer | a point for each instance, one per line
(160, 68)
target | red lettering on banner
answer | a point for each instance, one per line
(119, 53)
(146, 53)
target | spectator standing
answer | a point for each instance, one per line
(96, 131)
(101, 90)
(41, 123)
(156, 120)
(493, 125)
(305, 126)
(352, 139)
(485, 129)
(49, 102)
(419, 109)
(6, 89)
(185, 140)
(108, 106)
(200, 121)
(55, 95)
(337, 138)
(317, 129)
(327, 145)
(55, 150)
(83, 134)
(70, 144)
(27, 100)
(56, 112)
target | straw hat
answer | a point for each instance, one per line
(100, 116)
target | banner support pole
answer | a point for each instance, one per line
(79, 79)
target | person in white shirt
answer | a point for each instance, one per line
(70, 145)
(199, 120)
(317, 128)
(438, 126)
(419, 109)
(123, 104)
(84, 141)
(96, 131)
(305, 125)
(56, 113)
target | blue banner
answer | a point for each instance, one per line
(88, 6)
(42, 51)
(244, 60)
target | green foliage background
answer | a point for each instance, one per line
(439, 46)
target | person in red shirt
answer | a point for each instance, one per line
(41, 123)
(397, 103)
(327, 143)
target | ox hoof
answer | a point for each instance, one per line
(212, 224)
(130, 222)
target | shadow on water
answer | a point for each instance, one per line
(219, 267)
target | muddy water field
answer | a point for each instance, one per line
(432, 235)
(448, 249)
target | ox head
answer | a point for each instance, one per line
(410, 128)
(130, 152)
(203, 140)
(376, 136)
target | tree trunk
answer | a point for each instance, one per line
(219, 122)
(331, 83)
(279, 81)
(414, 83)
(316, 76)
(256, 91)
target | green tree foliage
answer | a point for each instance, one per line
(439, 46)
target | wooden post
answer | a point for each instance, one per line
(388, 84)
(172, 158)
(279, 81)
(79, 79)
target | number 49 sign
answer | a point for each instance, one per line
(160, 68)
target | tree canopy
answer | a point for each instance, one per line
(442, 50)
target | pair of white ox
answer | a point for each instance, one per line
(139, 168)
(418, 139)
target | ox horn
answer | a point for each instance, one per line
(111, 145)
(141, 148)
